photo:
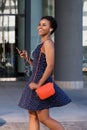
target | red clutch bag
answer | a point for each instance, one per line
(45, 91)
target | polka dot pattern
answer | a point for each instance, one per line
(29, 99)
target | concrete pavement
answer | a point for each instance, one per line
(73, 116)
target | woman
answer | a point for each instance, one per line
(38, 109)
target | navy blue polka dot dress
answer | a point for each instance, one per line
(29, 99)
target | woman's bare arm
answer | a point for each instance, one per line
(49, 52)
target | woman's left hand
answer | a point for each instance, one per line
(33, 85)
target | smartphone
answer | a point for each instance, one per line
(18, 50)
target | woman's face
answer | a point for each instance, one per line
(44, 27)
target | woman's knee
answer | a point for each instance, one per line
(42, 120)
(32, 114)
(42, 117)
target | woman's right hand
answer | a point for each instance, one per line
(23, 54)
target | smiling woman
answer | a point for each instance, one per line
(43, 66)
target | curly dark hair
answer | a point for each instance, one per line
(52, 21)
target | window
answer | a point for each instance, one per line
(48, 7)
(85, 35)
(11, 34)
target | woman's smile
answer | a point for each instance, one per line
(43, 27)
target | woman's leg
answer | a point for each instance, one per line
(43, 116)
(33, 121)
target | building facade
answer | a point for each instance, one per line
(18, 28)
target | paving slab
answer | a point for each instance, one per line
(73, 116)
(24, 126)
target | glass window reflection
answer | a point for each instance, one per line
(10, 20)
(8, 6)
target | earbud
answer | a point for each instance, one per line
(51, 30)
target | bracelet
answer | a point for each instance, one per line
(27, 59)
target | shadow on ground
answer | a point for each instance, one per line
(2, 122)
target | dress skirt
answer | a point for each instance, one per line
(29, 99)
